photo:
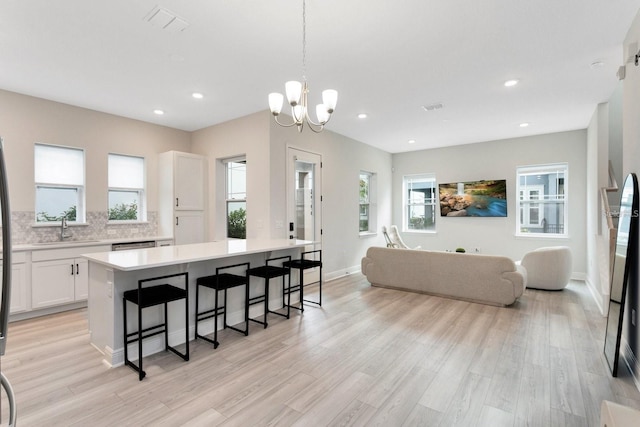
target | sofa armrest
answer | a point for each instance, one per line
(518, 278)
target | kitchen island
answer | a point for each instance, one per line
(113, 273)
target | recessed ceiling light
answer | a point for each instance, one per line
(412, 141)
(158, 112)
(197, 95)
(524, 125)
(511, 83)
(362, 115)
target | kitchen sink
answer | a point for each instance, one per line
(66, 242)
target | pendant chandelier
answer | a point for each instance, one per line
(297, 95)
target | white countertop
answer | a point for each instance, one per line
(138, 259)
(81, 243)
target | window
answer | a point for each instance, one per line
(542, 200)
(236, 175)
(367, 202)
(59, 180)
(126, 188)
(419, 200)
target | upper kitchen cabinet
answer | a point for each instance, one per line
(182, 183)
(188, 181)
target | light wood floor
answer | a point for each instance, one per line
(369, 356)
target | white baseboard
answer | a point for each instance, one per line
(631, 361)
(341, 273)
(14, 317)
(598, 298)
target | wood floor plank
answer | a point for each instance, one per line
(467, 405)
(368, 356)
(534, 396)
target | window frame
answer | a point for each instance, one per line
(369, 204)
(227, 192)
(79, 188)
(523, 202)
(140, 191)
(428, 202)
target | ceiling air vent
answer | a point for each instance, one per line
(165, 19)
(433, 107)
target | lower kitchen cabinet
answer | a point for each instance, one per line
(53, 282)
(18, 283)
(57, 281)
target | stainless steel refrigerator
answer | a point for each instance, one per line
(6, 281)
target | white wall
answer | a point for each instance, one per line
(631, 163)
(343, 159)
(265, 143)
(248, 136)
(25, 120)
(498, 160)
(601, 134)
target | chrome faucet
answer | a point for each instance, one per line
(64, 229)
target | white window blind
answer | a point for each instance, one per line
(59, 165)
(126, 172)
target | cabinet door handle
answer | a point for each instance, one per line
(177, 204)
(77, 268)
(72, 269)
(177, 221)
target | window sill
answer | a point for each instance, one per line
(420, 232)
(543, 236)
(125, 222)
(368, 234)
(58, 224)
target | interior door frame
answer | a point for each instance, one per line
(294, 154)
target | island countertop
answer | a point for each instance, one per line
(138, 259)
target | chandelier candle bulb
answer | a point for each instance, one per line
(322, 113)
(294, 91)
(275, 103)
(330, 99)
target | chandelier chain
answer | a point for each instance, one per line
(304, 40)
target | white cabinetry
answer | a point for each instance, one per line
(167, 242)
(19, 300)
(60, 276)
(182, 178)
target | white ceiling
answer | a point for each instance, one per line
(385, 58)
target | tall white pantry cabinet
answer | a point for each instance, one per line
(181, 207)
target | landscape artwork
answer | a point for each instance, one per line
(474, 198)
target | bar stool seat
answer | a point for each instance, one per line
(222, 282)
(268, 272)
(150, 296)
(304, 264)
(154, 295)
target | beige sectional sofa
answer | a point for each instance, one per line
(487, 279)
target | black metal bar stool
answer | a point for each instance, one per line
(151, 296)
(304, 264)
(222, 282)
(267, 272)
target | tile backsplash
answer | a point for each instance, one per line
(97, 227)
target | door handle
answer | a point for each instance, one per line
(290, 226)
(177, 204)
(77, 269)
(72, 269)
(177, 221)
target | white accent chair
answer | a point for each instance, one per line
(548, 268)
(393, 238)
